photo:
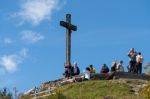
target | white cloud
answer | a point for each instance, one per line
(8, 41)
(31, 37)
(36, 11)
(10, 62)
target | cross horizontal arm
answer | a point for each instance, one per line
(72, 27)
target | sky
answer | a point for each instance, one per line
(32, 43)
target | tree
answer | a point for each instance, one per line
(5, 94)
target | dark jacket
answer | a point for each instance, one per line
(72, 71)
(104, 69)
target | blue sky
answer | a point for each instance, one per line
(32, 43)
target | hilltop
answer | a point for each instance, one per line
(121, 88)
(102, 89)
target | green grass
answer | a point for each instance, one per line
(97, 89)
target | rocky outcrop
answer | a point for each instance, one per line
(120, 75)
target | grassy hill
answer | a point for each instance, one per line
(100, 89)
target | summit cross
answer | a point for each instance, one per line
(69, 28)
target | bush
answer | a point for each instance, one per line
(5, 94)
(145, 92)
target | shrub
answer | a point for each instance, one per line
(5, 94)
(145, 92)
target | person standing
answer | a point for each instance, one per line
(132, 60)
(139, 61)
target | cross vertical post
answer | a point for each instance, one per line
(69, 27)
(68, 41)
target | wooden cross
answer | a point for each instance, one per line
(69, 27)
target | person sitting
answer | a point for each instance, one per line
(87, 74)
(104, 69)
(92, 69)
(120, 67)
(113, 66)
(67, 73)
(75, 70)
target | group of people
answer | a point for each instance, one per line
(72, 70)
(114, 67)
(135, 61)
(135, 66)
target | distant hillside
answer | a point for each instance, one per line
(99, 89)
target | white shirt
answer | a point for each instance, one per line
(87, 74)
(120, 67)
(139, 59)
